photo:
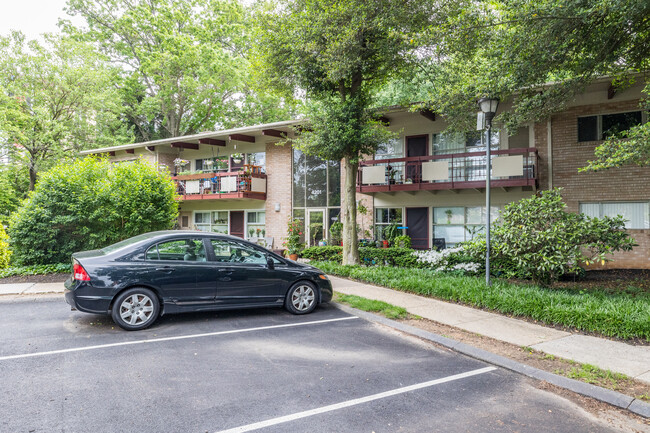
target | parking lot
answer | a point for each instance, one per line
(258, 370)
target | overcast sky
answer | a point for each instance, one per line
(32, 17)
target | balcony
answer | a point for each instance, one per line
(215, 186)
(456, 171)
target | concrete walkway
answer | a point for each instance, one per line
(633, 361)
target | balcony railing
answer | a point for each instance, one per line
(214, 186)
(510, 168)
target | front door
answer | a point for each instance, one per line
(315, 226)
(237, 223)
(417, 221)
(417, 145)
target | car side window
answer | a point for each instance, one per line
(188, 250)
(227, 251)
(152, 253)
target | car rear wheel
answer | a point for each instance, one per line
(135, 309)
(301, 298)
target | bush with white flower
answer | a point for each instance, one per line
(448, 260)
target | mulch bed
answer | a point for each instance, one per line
(47, 278)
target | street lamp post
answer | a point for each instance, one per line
(489, 108)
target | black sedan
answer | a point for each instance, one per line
(166, 272)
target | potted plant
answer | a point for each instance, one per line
(251, 232)
(259, 232)
(390, 233)
(336, 229)
(292, 243)
(402, 242)
(449, 213)
(237, 158)
(263, 232)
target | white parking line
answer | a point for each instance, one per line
(181, 337)
(337, 406)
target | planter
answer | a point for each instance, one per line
(384, 244)
(293, 257)
(322, 243)
(236, 161)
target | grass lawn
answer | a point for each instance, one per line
(623, 315)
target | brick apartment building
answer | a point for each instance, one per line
(247, 183)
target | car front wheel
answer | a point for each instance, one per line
(135, 309)
(301, 298)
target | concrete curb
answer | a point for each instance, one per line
(614, 398)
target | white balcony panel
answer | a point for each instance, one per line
(375, 174)
(505, 166)
(258, 185)
(435, 170)
(229, 183)
(192, 186)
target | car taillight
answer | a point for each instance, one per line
(80, 273)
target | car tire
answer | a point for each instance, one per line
(135, 309)
(302, 298)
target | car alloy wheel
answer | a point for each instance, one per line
(135, 309)
(301, 299)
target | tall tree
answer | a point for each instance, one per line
(514, 48)
(56, 98)
(183, 61)
(338, 53)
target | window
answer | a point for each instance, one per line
(637, 214)
(391, 149)
(601, 127)
(385, 217)
(316, 183)
(188, 250)
(460, 142)
(258, 158)
(216, 221)
(255, 222)
(210, 165)
(457, 224)
(234, 252)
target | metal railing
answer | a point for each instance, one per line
(465, 170)
(215, 183)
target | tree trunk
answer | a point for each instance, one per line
(349, 211)
(32, 177)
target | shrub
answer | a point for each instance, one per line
(448, 260)
(368, 256)
(542, 241)
(5, 252)
(90, 204)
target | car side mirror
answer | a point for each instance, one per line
(270, 263)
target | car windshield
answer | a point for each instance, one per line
(126, 242)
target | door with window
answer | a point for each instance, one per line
(315, 226)
(243, 276)
(237, 223)
(417, 222)
(179, 268)
(417, 145)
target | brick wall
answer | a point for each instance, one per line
(625, 184)
(278, 190)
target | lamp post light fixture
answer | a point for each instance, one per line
(488, 107)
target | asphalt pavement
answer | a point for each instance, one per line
(254, 370)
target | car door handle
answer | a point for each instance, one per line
(224, 270)
(165, 269)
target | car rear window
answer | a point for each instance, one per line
(126, 242)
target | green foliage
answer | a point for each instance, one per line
(369, 256)
(336, 229)
(629, 147)
(374, 306)
(536, 238)
(57, 268)
(184, 63)
(391, 232)
(402, 241)
(617, 314)
(56, 98)
(514, 48)
(5, 252)
(90, 204)
(295, 230)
